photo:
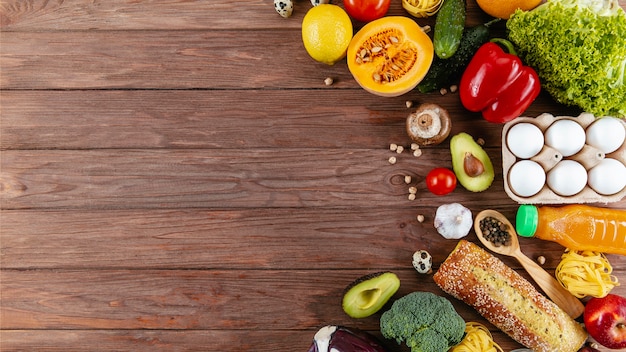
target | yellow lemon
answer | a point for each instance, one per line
(326, 33)
(505, 8)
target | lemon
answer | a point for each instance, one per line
(326, 33)
(505, 8)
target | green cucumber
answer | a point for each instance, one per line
(449, 27)
(444, 72)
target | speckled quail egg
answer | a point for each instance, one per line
(284, 7)
(608, 177)
(566, 136)
(526, 178)
(567, 178)
(318, 2)
(606, 134)
(422, 262)
(524, 140)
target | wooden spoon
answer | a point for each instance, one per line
(559, 295)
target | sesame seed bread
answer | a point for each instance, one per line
(507, 300)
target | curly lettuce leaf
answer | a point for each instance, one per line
(578, 48)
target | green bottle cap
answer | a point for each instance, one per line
(526, 220)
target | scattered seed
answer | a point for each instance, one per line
(409, 103)
(393, 147)
(426, 28)
(443, 91)
(407, 179)
(413, 190)
(412, 196)
(417, 152)
(480, 141)
(415, 146)
(400, 149)
(420, 218)
(453, 88)
(541, 260)
(328, 81)
(392, 160)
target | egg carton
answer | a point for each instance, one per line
(549, 157)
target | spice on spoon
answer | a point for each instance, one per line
(495, 231)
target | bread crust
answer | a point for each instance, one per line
(507, 300)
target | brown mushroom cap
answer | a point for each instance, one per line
(429, 125)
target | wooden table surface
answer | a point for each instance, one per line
(177, 176)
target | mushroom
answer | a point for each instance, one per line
(429, 125)
(423, 262)
(453, 221)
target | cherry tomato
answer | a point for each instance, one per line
(366, 10)
(441, 181)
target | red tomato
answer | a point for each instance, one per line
(366, 10)
(441, 181)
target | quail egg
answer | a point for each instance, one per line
(567, 178)
(524, 140)
(284, 7)
(526, 178)
(608, 177)
(566, 136)
(606, 134)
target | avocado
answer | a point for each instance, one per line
(368, 294)
(470, 163)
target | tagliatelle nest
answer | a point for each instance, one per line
(422, 8)
(586, 273)
(477, 339)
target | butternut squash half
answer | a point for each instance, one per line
(390, 56)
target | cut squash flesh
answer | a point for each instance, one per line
(390, 56)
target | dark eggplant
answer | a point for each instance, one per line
(343, 339)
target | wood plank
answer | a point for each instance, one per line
(41, 15)
(188, 340)
(223, 178)
(203, 238)
(185, 299)
(160, 59)
(193, 300)
(146, 119)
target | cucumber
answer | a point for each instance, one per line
(443, 72)
(449, 27)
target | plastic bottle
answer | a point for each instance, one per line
(576, 226)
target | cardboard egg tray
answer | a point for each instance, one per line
(549, 157)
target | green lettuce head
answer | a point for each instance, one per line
(578, 48)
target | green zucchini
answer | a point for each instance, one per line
(449, 27)
(444, 72)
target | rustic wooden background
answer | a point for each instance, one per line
(175, 175)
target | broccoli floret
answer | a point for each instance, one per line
(424, 321)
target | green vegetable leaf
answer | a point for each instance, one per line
(578, 48)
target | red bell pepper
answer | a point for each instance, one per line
(497, 83)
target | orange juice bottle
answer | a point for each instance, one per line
(576, 226)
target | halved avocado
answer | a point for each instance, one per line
(368, 294)
(470, 163)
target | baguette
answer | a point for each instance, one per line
(507, 300)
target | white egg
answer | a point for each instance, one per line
(566, 136)
(567, 178)
(606, 134)
(526, 178)
(608, 177)
(524, 140)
